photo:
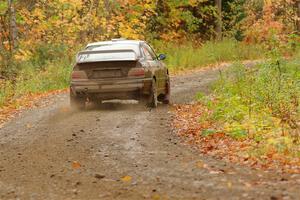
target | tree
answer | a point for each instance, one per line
(13, 31)
(297, 3)
(219, 25)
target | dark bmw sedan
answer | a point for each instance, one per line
(119, 69)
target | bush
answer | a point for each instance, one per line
(47, 53)
(32, 79)
(262, 101)
(6, 91)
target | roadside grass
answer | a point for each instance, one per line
(260, 104)
(188, 56)
(35, 81)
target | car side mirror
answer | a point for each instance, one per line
(162, 57)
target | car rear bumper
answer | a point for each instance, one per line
(108, 86)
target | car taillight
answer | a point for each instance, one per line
(136, 72)
(78, 75)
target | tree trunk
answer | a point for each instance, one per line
(2, 36)
(108, 15)
(298, 16)
(13, 31)
(107, 6)
(219, 24)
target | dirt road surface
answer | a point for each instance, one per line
(122, 151)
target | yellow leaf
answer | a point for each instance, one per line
(126, 179)
(156, 197)
(229, 184)
(200, 164)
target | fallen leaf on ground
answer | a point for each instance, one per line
(126, 179)
(13, 107)
(229, 184)
(76, 165)
(200, 164)
(201, 133)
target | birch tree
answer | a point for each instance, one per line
(13, 31)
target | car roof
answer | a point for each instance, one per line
(116, 41)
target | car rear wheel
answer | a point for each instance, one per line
(153, 95)
(166, 99)
(77, 102)
(97, 102)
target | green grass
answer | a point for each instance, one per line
(56, 76)
(6, 92)
(187, 56)
(32, 81)
(47, 69)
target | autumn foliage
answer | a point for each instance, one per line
(76, 22)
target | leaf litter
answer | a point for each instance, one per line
(15, 106)
(218, 144)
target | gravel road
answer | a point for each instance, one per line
(122, 151)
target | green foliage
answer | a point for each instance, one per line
(183, 19)
(238, 134)
(208, 132)
(6, 91)
(188, 56)
(260, 102)
(233, 15)
(31, 79)
(45, 53)
(3, 7)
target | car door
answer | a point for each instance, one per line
(162, 66)
(155, 63)
(151, 63)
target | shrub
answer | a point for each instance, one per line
(30, 80)
(260, 102)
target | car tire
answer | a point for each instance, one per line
(166, 99)
(77, 102)
(98, 102)
(152, 102)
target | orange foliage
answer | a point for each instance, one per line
(270, 24)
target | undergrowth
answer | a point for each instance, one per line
(189, 55)
(30, 80)
(259, 103)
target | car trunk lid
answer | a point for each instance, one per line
(106, 70)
